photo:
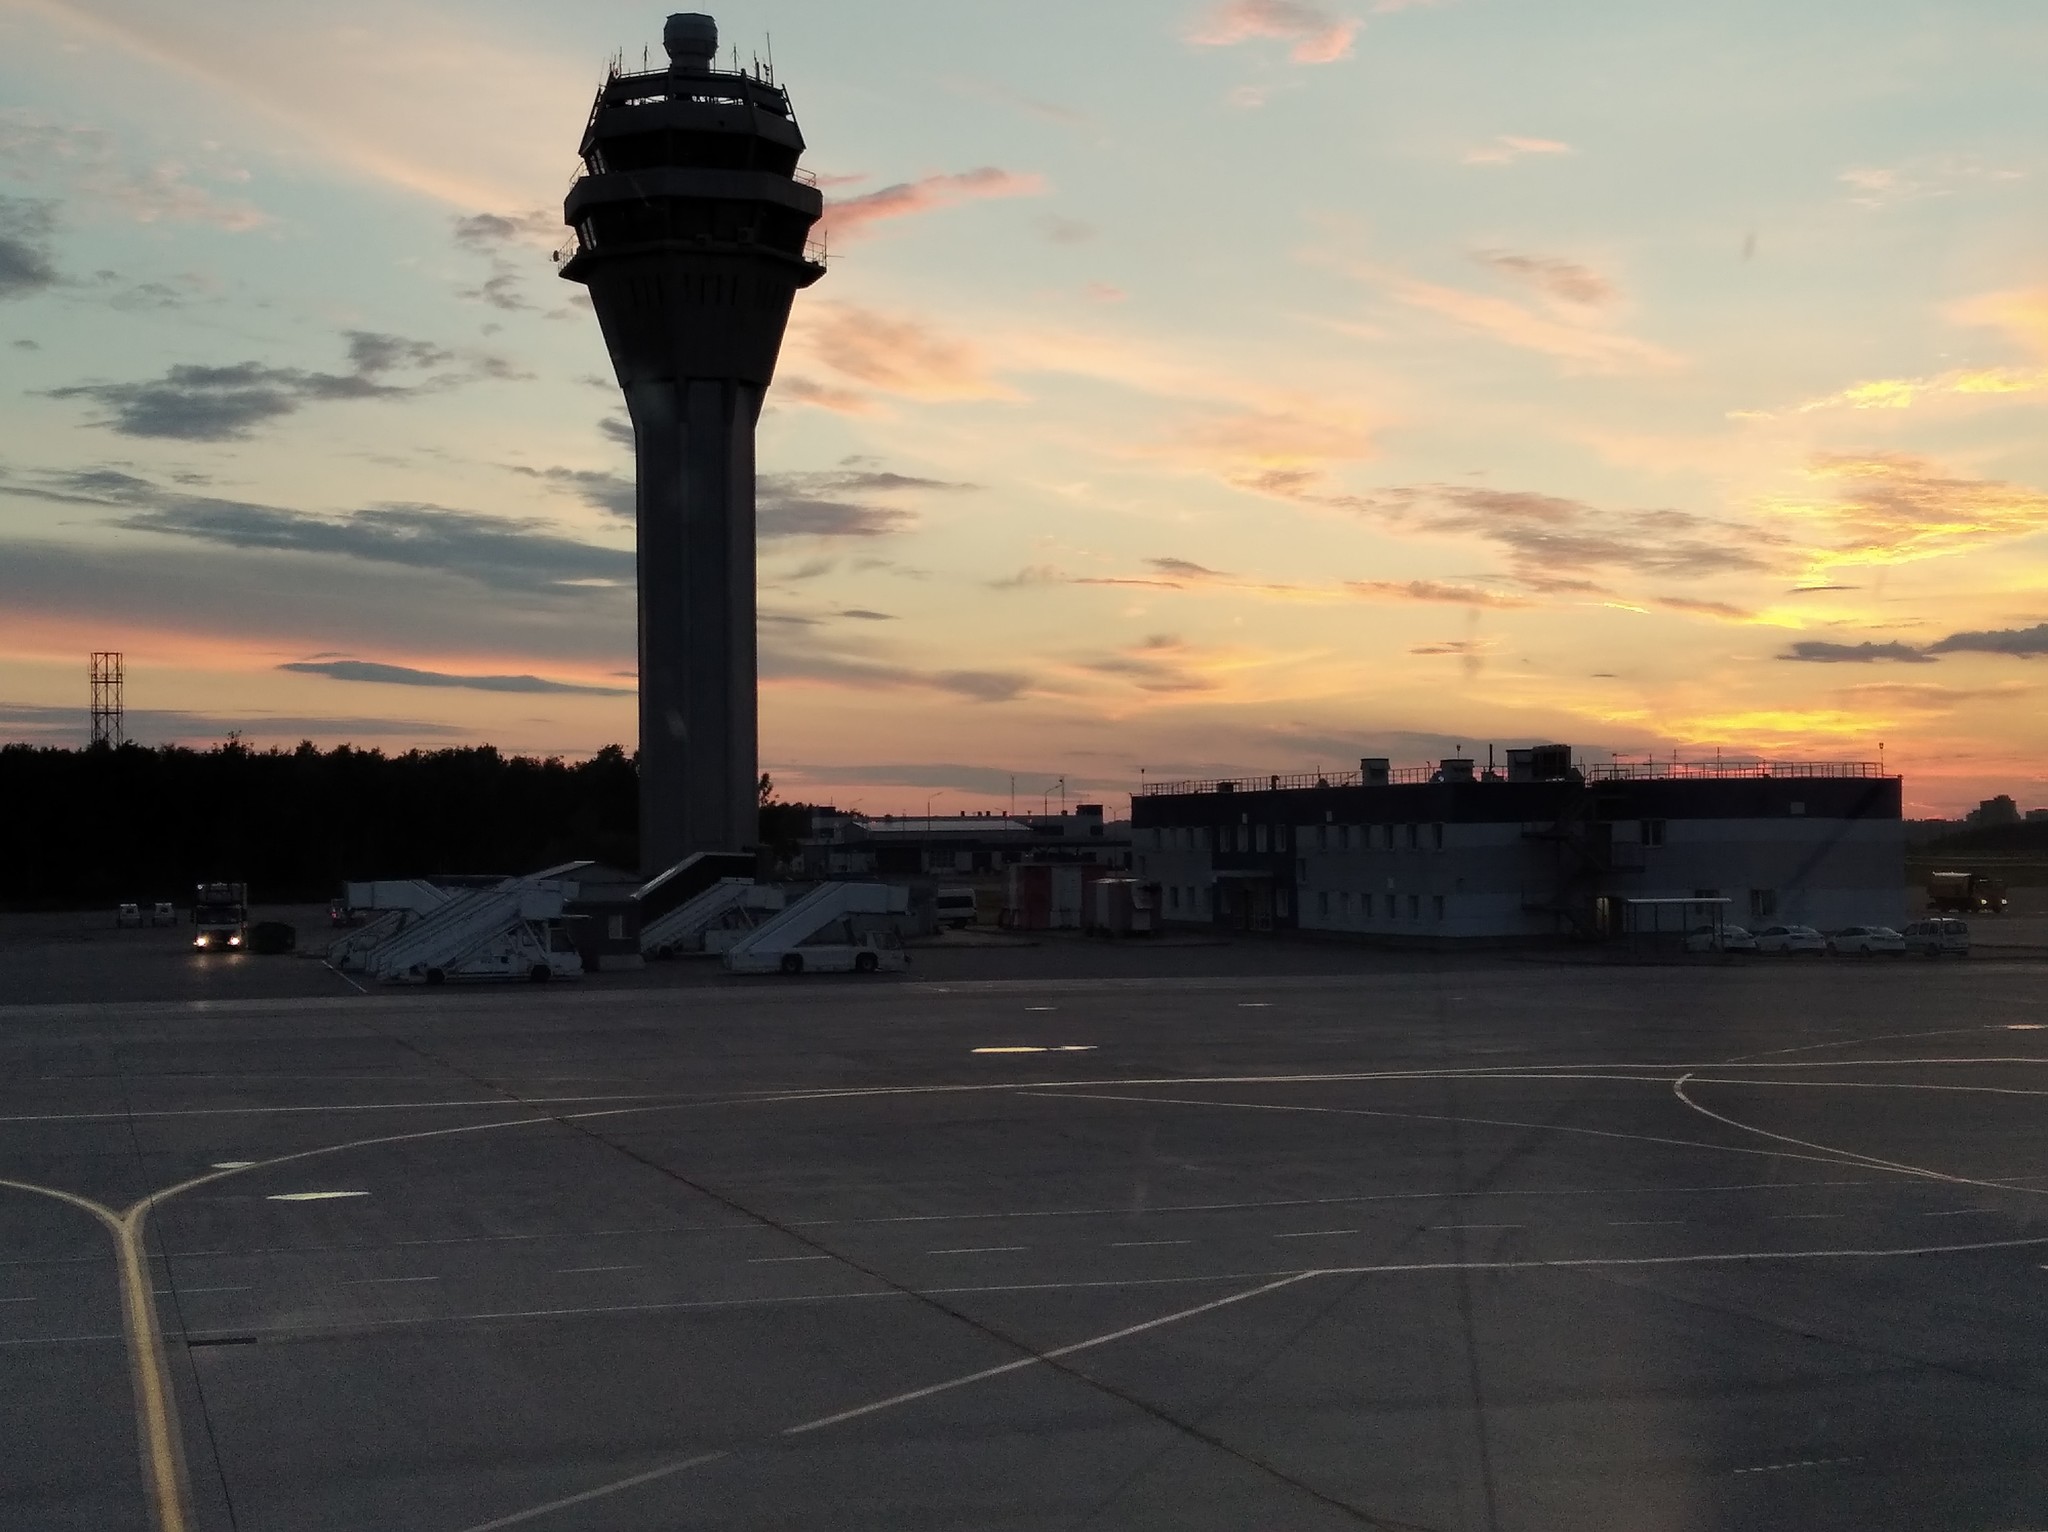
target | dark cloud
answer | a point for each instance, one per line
(995, 781)
(405, 675)
(871, 675)
(27, 345)
(2025, 643)
(606, 492)
(1818, 652)
(617, 428)
(491, 231)
(498, 551)
(148, 726)
(1554, 278)
(25, 265)
(862, 614)
(1156, 664)
(832, 503)
(289, 604)
(227, 403)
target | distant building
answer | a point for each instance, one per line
(1995, 811)
(1542, 849)
(2037, 816)
(846, 845)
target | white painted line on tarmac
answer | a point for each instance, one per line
(2024, 1026)
(979, 1250)
(1032, 1361)
(1075, 1048)
(1041, 1007)
(1255, 1005)
(1013, 1050)
(784, 1260)
(311, 1196)
(1802, 1463)
(1642, 1223)
(1808, 1215)
(184, 1291)
(17, 1300)
(1316, 1233)
(1452, 1228)
(232, 1164)
(567, 1501)
(375, 1281)
(1146, 1244)
(1958, 1213)
(577, 1271)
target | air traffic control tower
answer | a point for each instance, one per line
(692, 233)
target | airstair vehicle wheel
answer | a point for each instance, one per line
(792, 962)
(865, 963)
(540, 973)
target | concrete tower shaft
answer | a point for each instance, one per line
(692, 233)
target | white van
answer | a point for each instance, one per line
(954, 908)
(1938, 936)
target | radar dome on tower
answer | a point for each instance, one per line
(691, 39)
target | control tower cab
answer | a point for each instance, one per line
(692, 232)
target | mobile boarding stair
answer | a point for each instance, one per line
(512, 930)
(835, 928)
(710, 923)
(394, 903)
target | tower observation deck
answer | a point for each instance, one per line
(692, 228)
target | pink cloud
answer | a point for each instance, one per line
(1508, 148)
(851, 218)
(1318, 37)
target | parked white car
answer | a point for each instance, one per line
(162, 913)
(1933, 937)
(1790, 939)
(1867, 941)
(128, 915)
(1727, 939)
(874, 952)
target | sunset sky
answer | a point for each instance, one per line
(1205, 388)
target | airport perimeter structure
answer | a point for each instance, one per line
(692, 232)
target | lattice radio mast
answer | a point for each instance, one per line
(109, 721)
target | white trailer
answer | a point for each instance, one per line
(711, 922)
(835, 928)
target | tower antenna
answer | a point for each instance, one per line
(109, 713)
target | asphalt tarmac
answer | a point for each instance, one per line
(1426, 1243)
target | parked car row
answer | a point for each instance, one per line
(1923, 938)
(159, 914)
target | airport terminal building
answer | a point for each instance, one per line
(1541, 848)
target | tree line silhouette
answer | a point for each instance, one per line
(102, 825)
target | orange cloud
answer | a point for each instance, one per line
(1904, 393)
(851, 218)
(1433, 592)
(1318, 37)
(896, 355)
(1584, 346)
(2022, 314)
(1892, 508)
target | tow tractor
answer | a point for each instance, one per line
(220, 917)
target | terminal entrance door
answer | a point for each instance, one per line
(1247, 902)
